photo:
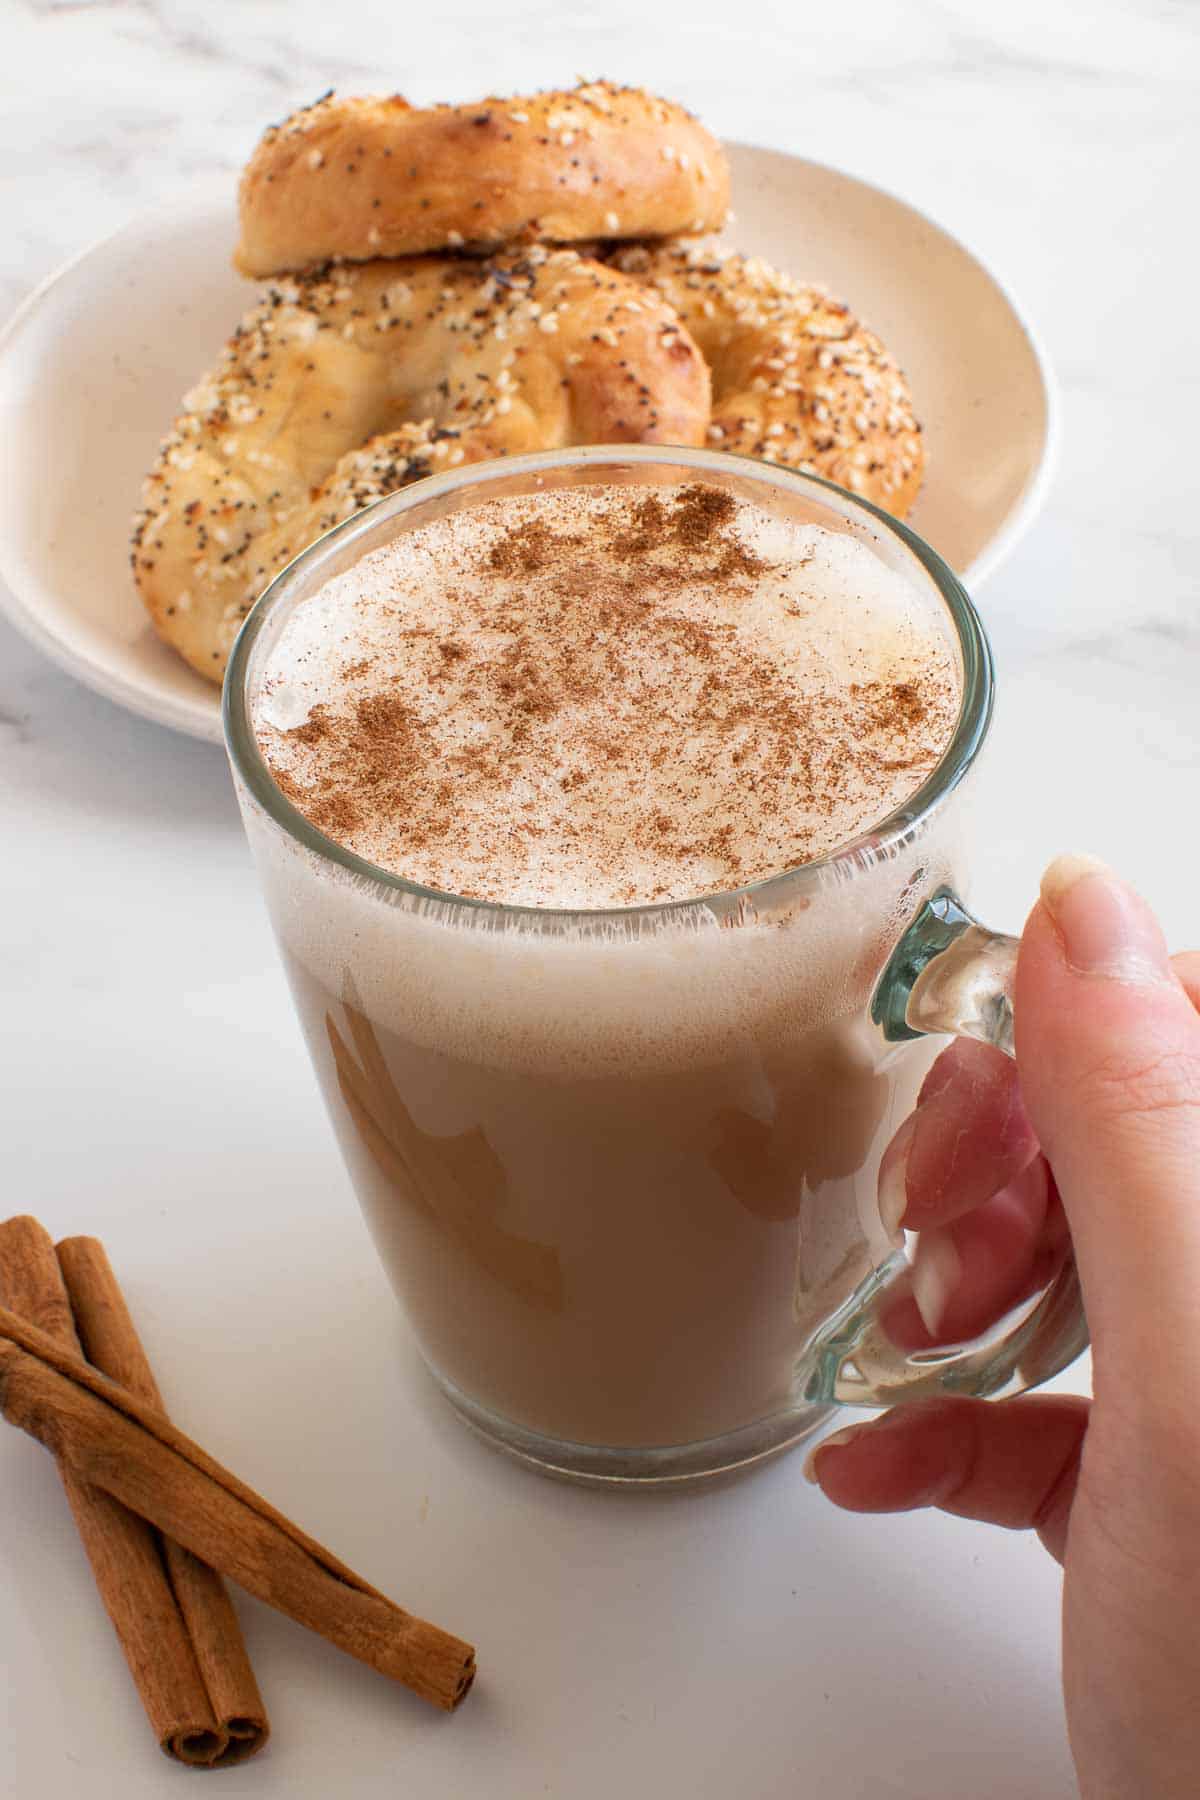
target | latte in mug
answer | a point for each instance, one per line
(617, 1149)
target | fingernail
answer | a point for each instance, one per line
(936, 1272)
(893, 1180)
(845, 1436)
(1106, 929)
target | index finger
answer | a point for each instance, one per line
(967, 1138)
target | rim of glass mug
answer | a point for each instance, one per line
(303, 573)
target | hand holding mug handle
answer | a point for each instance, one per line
(951, 974)
(1107, 1116)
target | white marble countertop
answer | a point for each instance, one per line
(155, 1090)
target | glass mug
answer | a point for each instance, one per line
(621, 1165)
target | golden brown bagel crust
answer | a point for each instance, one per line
(349, 382)
(361, 178)
(797, 379)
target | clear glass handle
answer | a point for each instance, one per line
(950, 974)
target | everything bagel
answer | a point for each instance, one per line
(796, 378)
(348, 382)
(362, 178)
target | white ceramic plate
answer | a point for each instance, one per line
(93, 366)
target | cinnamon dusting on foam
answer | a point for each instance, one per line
(604, 696)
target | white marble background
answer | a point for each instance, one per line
(152, 1085)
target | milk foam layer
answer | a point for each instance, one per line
(602, 696)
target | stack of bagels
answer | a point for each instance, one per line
(465, 282)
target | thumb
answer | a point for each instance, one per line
(1108, 1049)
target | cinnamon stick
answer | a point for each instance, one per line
(109, 1340)
(116, 1441)
(126, 1555)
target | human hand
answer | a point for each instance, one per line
(1095, 1130)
